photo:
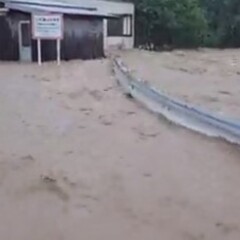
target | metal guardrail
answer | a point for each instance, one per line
(174, 110)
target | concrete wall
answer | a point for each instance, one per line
(117, 42)
(108, 8)
(125, 42)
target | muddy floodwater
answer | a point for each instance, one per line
(78, 160)
(206, 78)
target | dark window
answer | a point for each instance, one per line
(26, 35)
(121, 26)
(115, 27)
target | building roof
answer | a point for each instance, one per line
(75, 7)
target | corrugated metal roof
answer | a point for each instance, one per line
(81, 7)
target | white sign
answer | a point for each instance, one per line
(47, 26)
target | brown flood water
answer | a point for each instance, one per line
(80, 161)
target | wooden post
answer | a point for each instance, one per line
(58, 51)
(39, 51)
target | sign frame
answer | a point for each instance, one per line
(47, 15)
(40, 38)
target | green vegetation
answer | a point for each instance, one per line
(187, 23)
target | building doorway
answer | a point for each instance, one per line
(25, 41)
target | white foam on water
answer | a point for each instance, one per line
(180, 117)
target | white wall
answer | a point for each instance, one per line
(124, 42)
(119, 42)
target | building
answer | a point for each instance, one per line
(91, 27)
(118, 32)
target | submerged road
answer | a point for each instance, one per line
(80, 161)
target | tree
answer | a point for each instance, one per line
(169, 22)
(223, 18)
(187, 23)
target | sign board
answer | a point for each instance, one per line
(47, 26)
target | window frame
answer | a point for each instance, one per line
(126, 18)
